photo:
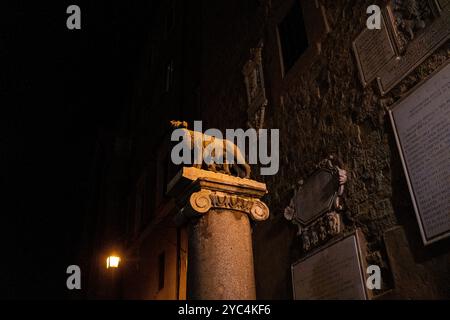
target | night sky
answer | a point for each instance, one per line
(58, 88)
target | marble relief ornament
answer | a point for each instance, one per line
(320, 231)
(409, 18)
(328, 223)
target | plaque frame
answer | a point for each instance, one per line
(361, 254)
(331, 199)
(446, 234)
(329, 223)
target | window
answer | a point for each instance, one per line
(292, 36)
(161, 270)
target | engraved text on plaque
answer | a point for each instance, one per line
(422, 127)
(334, 273)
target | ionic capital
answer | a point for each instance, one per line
(202, 201)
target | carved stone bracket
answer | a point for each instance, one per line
(321, 230)
(327, 223)
(256, 93)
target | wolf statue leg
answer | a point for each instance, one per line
(247, 170)
(241, 163)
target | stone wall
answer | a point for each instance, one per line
(321, 108)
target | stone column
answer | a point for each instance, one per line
(218, 209)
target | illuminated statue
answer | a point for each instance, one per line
(215, 152)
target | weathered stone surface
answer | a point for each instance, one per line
(220, 257)
(416, 274)
(214, 180)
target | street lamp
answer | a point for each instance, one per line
(112, 262)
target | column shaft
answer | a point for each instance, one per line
(220, 263)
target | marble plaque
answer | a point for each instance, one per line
(390, 54)
(316, 196)
(421, 124)
(333, 273)
(436, 34)
(373, 49)
(408, 20)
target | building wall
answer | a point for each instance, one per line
(141, 274)
(321, 108)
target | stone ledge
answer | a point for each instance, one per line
(189, 178)
(198, 191)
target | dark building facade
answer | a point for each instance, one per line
(195, 66)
